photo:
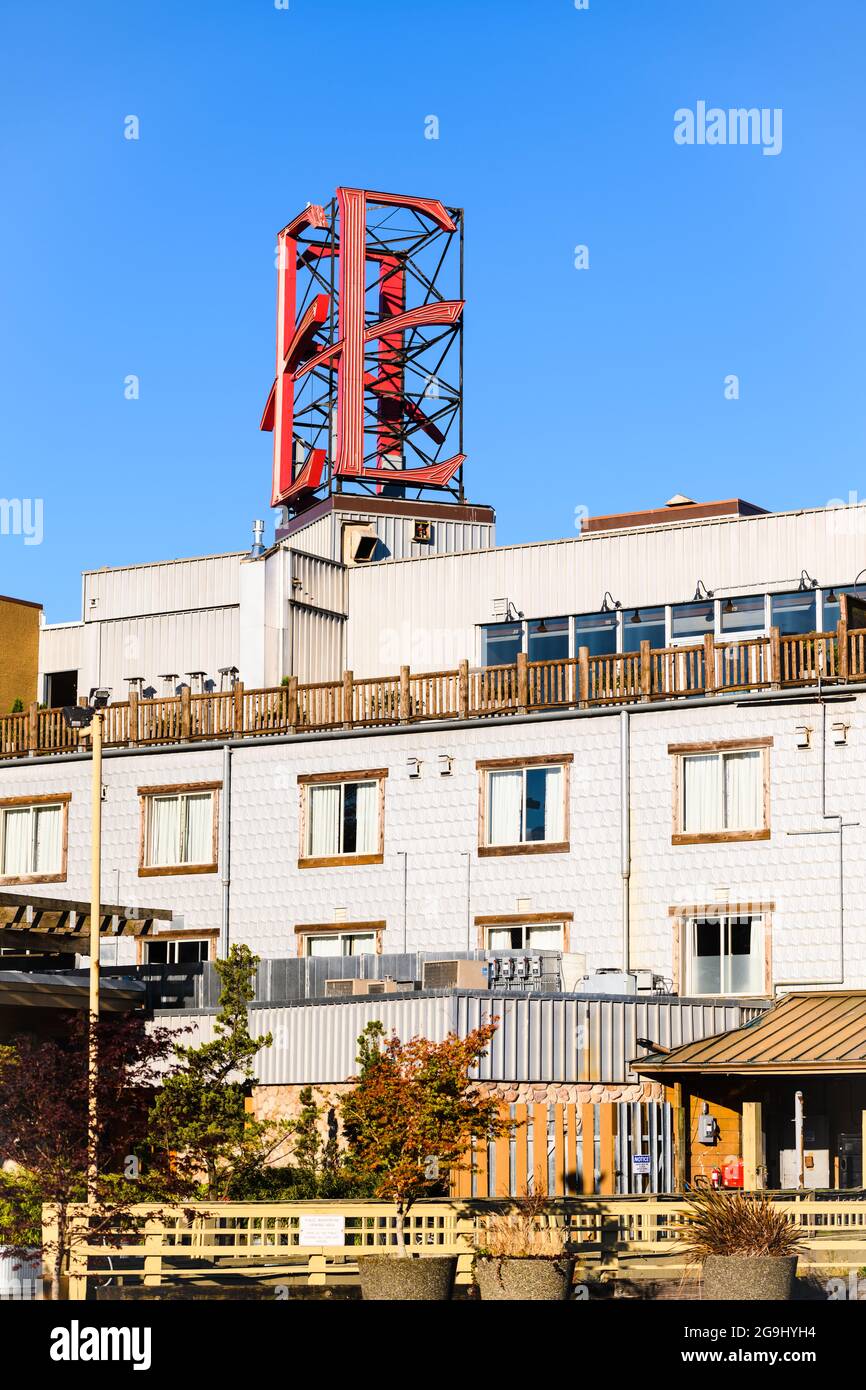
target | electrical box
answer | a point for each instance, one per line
(708, 1129)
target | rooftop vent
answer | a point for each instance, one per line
(679, 500)
(257, 547)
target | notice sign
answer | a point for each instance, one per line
(322, 1230)
(641, 1163)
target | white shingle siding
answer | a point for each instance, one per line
(434, 819)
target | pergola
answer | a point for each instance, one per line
(31, 923)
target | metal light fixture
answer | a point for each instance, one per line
(635, 617)
(609, 603)
(699, 595)
(77, 716)
(806, 582)
(831, 596)
(728, 606)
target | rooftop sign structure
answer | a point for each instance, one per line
(367, 393)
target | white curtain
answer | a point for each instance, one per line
(554, 831)
(367, 837)
(164, 830)
(360, 945)
(544, 938)
(702, 794)
(504, 819)
(198, 846)
(324, 836)
(17, 838)
(743, 791)
(324, 946)
(48, 850)
(499, 939)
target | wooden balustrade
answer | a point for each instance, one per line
(582, 681)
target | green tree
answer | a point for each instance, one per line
(201, 1114)
(412, 1112)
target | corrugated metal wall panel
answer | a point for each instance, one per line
(318, 645)
(178, 642)
(318, 582)
(61, 647)
(435, 607)
(208, 581)
(559, 1038)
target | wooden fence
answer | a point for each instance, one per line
(258, 1240)
(584, 681)
(565, 1150)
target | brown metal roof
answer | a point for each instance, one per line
(815, 1032)
(671, 512)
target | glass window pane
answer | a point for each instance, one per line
(744, 963)
(705, 975)
(547, 938)
(360, 945)
(536, 800)
(323, 836)
(597, 631)
(47, 850)
(548, 639)
(744, 790)
(504, 807)
(500, 643)
(17, 841)
(504, 938)
(325, 945)
(744, 614)
(164, 836)
(198, 829)
(702, 794)
(157, 952)
(350, 818)
(642, 625)
(692, 619)
(793, 612)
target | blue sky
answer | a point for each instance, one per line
(601, 388)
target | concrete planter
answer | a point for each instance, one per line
(425, 1279)
(729, 1278)
(523, 1279)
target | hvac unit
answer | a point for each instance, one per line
(609, 981)
(454, 974)
(340, 989)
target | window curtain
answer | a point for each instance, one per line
(198, 845)
(359, 945)
(702, 799)
(324, 807)
(17, 833)
(544, 938)
(743, 791)
(324, 945)
(505, 798)
(554, 830)
(164, 830)
(367, 813)
(499, 939)
(47, 840)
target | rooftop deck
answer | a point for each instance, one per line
(581, 682)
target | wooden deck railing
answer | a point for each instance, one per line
(197, 1240)
(584, 681)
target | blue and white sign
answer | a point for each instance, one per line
(641, 1163)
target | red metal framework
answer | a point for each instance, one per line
(368, 392)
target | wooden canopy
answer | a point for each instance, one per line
(803, 1033)
(56, 924)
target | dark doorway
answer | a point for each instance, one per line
(61, 688)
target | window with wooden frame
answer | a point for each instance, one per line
(723, 949)
(340, 938)
(177, 950)
(179, 829)
(523, 805)
(342, 818)
(33, 838)
(525, 931)
(721, 791)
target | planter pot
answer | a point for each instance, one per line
(523, 1279)
(729, 1278)
(424, 1279)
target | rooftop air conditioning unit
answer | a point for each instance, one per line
(454, 974)
(609, 981)
(351, 988)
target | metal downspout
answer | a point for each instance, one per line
(625, 830)
(225, 849)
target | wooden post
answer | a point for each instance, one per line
(681, 1130)
(185, 712)
(709, 663)
(646, 669)
(522, 684)
(293, 704)
(152, 1270)
(33, 727)
(842, 649)
(348, 698)
(583, 676)
(404, 695)
(607, 1147)
(238, 708)
(77, 1259)
(753, 1176)
(463, 689)
(587, 1143)
(775, 659)
(133, 716)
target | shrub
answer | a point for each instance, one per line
(738, 1223)
(522, 1232)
